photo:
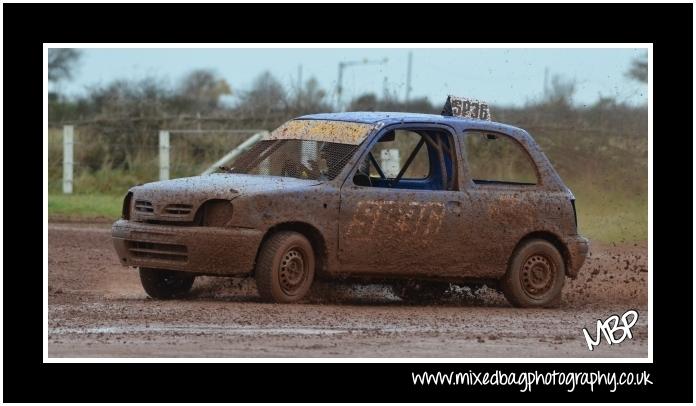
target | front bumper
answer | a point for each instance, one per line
(578, 247)
(205, 250)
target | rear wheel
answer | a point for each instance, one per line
(285, 267)
(163, 284)
(535, 275)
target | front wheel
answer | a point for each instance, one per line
(285, 267)
(163, 284)
(535, 275)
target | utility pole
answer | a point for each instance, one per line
(299, 76)
(546, 82)
(408, 77)
(341, 67)
(299, 85)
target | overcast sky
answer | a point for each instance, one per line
(499, 76)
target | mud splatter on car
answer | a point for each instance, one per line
(448, 203)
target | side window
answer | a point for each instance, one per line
(409, 159)
(496, 158)
(392, 151)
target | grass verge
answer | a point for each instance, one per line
(84, 207)
(608, 219)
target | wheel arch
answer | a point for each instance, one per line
(553, 239)
(315, 237)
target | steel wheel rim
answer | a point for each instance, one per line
(537, 276)
(293, 271)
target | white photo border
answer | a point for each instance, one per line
(647, 46)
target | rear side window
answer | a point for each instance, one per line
(497, 158)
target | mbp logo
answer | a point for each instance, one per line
(609, 327)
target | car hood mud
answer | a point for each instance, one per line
(197, 189)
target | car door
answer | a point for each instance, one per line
(503, 194)
(402, 218)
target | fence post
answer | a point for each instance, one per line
(164, 155)
(68, 159)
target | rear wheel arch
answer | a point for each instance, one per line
(535, 275)
(550, 237)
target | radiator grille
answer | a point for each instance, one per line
(178, 209)
(153, 250)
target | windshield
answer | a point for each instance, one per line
(302, 159)
(304, 149)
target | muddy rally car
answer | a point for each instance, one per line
(413, 200)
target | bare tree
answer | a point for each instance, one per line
(202, 89)
(61, 63)
(311, 98)
(369, 102)
(364, 102)
(148, 97)
(266, 95)
(561, 92)
(639, 69)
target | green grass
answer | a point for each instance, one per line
(84, 207)
(609, 218)
(621, 220)
(611, 211)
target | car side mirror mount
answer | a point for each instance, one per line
(388, 137)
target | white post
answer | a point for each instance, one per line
(164, 155)
(67, 159)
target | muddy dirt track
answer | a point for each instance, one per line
(98, 309)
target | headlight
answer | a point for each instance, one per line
(217, 213)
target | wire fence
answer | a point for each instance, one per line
(110, 156)
(104, 162)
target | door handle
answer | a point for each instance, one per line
(454, 206)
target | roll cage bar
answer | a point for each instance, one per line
(440, 147)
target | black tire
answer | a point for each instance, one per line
(420, 292)
(535, 275)
(285, 267)
(163, 284)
